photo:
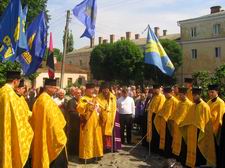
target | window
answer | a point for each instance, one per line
(217, 52)
(69, 82)
(81, 63)
(193, 32)
(216, 29)
(194, 53)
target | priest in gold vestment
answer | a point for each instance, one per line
(189, 83)
(178, 144)
(197, 131)
(154, 107)
(162, 125)
(48, 123)
(20, 91)
(217, 109)
(91, 143)
(108, 101)
(16, 133)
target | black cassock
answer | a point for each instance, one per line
(61, 161)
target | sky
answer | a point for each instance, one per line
(120, 16)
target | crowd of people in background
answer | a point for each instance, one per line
(88, 121)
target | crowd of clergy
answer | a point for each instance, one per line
(41, 128)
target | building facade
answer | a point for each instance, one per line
(81, 57)
(203, 42)
(72, 75)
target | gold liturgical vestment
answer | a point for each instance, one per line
(155, 106)
(109, 112)
(25, 106)
(217, 109)
(162, 117)
(198, 117)
(49, 137)
(181, 111)
(16, 133)
(189, 94)
(91, 144)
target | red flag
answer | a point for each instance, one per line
(50, 60)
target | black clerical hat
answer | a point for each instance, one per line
(13, 75)
(213, 87)
(188, 80)
(167, 89)
(50, 82)
(183, 89)
(90, 85)
(197, 90)
(105, 85)
(156, 86)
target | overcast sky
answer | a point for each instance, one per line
(119, 16)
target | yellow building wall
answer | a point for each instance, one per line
(206, 59)
(204, 29)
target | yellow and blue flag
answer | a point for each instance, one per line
(156, 55)
(86, 13)
(11, 28)
(36, 39)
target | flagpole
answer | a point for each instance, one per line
(64, 48)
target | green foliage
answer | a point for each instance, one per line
(5, 67)
(121, 61)
(99, 61)
(219, 78)
(34, 8)
(173, 50)
(70, 42)
(203, 79)
(57, 53)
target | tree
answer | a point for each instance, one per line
(219, 78)
(70, 42)
(5, 67)
(127, 62)
(98, 61)
(174, 52)
(121, 61)
(34, 8)
(57, 54)
(203, 79)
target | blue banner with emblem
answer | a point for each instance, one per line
(11, 28)
(156, 55)
(86, 13)
(36, 39)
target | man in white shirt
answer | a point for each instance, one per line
(126, 109)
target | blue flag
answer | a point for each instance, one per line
(156, 55)
(22, 43)
(11, 30)
(36, 38)
(86, 12)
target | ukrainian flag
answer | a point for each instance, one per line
(156, 55)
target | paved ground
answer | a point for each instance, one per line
(130, 156)
(137, 158)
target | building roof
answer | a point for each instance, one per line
(140, 42)
(69, 68)
(209, 16)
